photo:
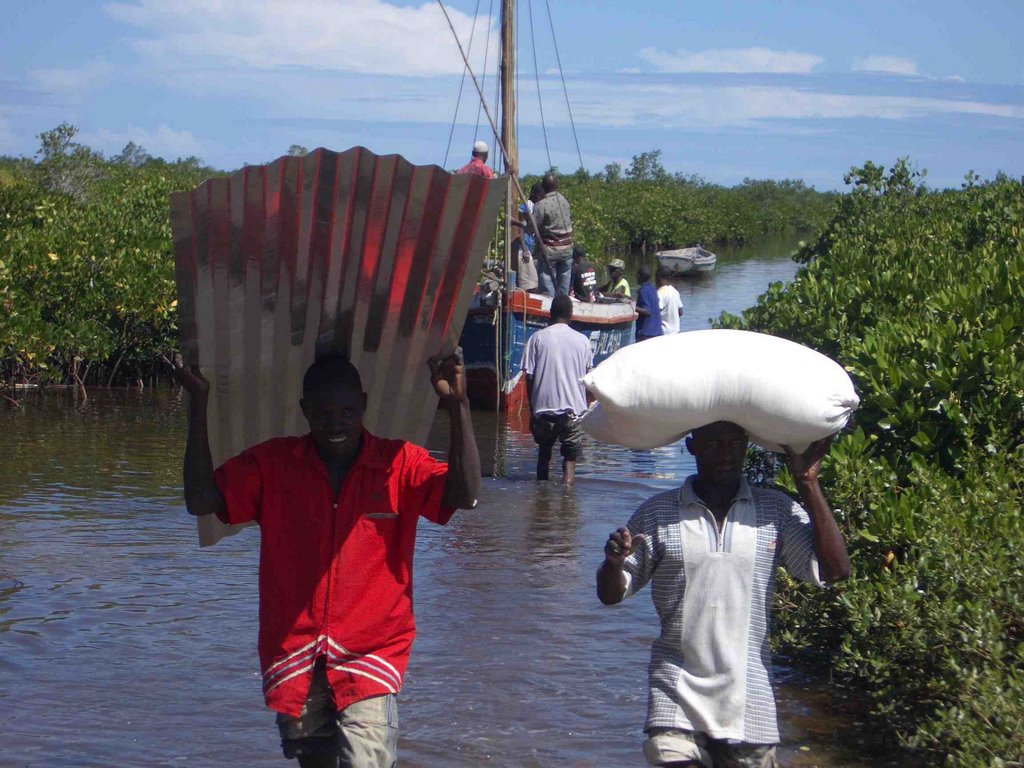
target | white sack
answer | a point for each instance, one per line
(654, 393)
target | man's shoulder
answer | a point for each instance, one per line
(566, 331)
(770, 501)
(664, 504)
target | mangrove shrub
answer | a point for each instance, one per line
(918, 294)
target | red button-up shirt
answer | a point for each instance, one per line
(335, 574)
(477, 167)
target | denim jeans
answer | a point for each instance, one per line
(363, 735)
(563, 274)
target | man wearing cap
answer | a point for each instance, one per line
(617, 284)
(477, 166)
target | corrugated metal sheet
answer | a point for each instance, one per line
(352, 252)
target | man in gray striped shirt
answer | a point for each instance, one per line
(554, 228)
(710, 550)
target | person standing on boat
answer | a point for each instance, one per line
(584, 277)
(670, 301)
(554, 361)
(710, 551)
(527, 242)
(554, 227)
(337, 510)
(617, 284)
(477, 166)
(648, 324)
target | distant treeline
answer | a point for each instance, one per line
(87, 287)
(87, 290)
(644, 207)
(919, 295)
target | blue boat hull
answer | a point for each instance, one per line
(493, 340)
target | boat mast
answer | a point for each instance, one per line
(508, 93)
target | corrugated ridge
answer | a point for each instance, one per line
(349, 251)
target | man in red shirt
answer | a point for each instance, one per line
(337, 510)
(477, 165)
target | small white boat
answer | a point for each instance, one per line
(687, 261)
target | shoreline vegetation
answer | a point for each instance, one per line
(87, 292)
(918, 294)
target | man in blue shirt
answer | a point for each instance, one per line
(648, 325)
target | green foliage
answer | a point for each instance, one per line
(647, 208)
(918, 294)
(86, 271)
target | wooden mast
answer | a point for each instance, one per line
(508, 85)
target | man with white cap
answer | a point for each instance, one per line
(477, 165)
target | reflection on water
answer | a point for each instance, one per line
(121, 643)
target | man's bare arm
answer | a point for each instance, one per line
(462, 486)
(829, 547)
(202, 496)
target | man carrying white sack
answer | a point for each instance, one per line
(711, 549)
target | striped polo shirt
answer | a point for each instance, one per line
(710, 669)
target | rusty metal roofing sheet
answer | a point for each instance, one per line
(352, 252)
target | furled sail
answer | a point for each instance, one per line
(351, 252)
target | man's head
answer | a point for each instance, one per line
(578, 254)
(662, 275)
(561, 309)
(549, 182)
(481, 150)
(615, 268)
(333, 403)
(643, 274)
(719, 449)
(536, 191)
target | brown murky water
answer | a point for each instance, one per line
(121, 643)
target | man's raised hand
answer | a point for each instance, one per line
(807, 465)
(448, 375)
(620, 545)
(189, 377)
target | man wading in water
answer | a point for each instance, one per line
(337, 510)
(711, 549)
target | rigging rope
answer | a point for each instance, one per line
(462, 82)
(497, 136)
(483, 78)
(565, 90)
(497, 105)
(536, 77)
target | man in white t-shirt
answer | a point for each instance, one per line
(669, 301)
(554, 361)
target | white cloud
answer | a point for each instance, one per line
(366, 36)
(732, 60)
(890, 65)
(71, 81)
(628, 100)
(163, 141)
(696, 107)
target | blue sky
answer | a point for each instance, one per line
(726, 90)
